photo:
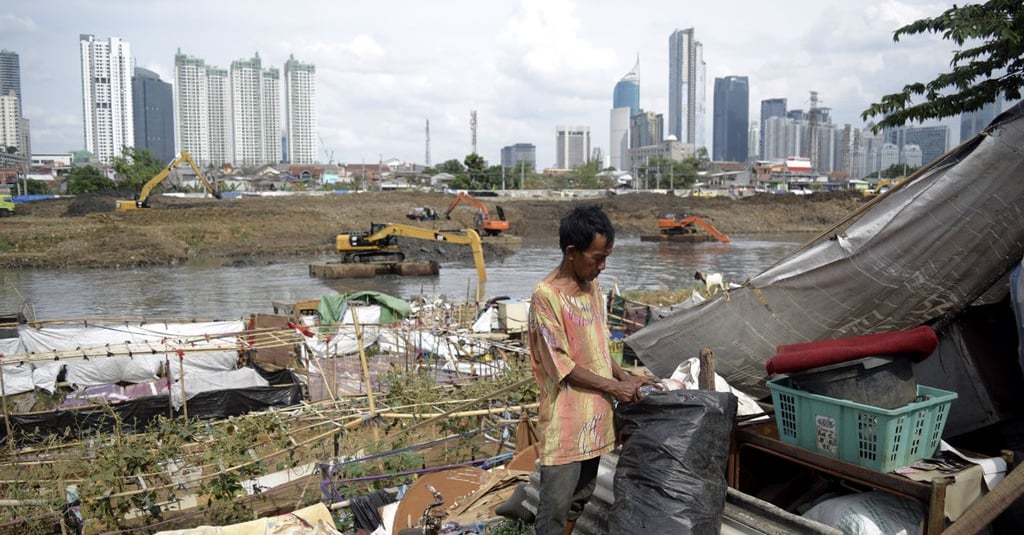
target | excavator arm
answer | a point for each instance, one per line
(491, 227)
(381, 237)
(142, 201)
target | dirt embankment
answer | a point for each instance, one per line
(86, 232)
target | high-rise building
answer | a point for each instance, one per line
(773, 107)
(646, 129)
(271, 105)
(255, 116)
(153, 114)
(9, 120)
(627, 91)
(106, 96)
(686, 88)
(220, 135)
(10, 76)
(933, 140)
(754, 141)
(573, 146)
(192, 107)
(13, 125)
(973, 122)
(731, 114)
(513, 155)
(300, 111)
(618, 141)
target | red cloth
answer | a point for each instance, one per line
(917, 343)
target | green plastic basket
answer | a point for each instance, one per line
(872, 437)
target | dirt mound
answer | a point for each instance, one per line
(85, 231)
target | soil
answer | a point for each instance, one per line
(85, 231)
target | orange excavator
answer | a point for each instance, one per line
(677, 225)
(484, 224)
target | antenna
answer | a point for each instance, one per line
(472, 127)
(427, 163)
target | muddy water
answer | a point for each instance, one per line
(215, 292)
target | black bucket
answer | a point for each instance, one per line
(883, 381)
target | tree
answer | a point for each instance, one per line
(136, 167)
(452, 167)
(36, 187)
(87, 179)
(978, 75)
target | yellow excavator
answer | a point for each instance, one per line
(380, 244)
(142, 199)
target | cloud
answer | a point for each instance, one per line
(11, 24)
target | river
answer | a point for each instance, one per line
(218, 292)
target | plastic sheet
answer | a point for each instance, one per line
(671, 472)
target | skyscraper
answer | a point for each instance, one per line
(773, 107)
(10, 75)
(974, 121)
(256, 115)
(153, 101)
(627, 91)
(300, 111)
(513, 155)
(573, 148)
(191, 107)
(618, 141)
(731, 113)
(106, 96)
(686, 91)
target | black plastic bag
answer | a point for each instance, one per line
(670, 477)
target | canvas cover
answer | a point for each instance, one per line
(945, 238)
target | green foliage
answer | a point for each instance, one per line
(898, 170)
(452, 167)
(136, 167)
(510, 527)
(87, 179)
(194, 239)
(992, 64)
(36, 187)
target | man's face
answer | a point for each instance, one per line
(588, 264)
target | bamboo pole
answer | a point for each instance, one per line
(366, 370)
(463, 406)
(181, 373)
(7, 417)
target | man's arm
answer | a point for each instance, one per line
(620, 390)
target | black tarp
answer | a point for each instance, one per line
(136, 414)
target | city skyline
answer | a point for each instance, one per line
(532, 65)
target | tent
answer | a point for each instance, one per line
(936, 250)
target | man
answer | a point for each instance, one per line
(568, 334)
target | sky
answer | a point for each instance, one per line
(386, 67)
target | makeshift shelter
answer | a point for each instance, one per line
(936, 250)
(333, 308)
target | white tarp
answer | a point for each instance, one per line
(225, 380)
(928, 247)
(102, 354)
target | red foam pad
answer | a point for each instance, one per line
(917, 343)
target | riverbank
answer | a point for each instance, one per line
(86, 232)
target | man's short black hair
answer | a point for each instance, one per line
(581, 224)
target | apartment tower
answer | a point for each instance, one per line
(106, 96)
(300, 111)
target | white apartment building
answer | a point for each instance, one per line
(300, 111)
(218, 91)
(106, 96)
(270, 92)
(191, 107)
(9, 119)
(255, 113)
